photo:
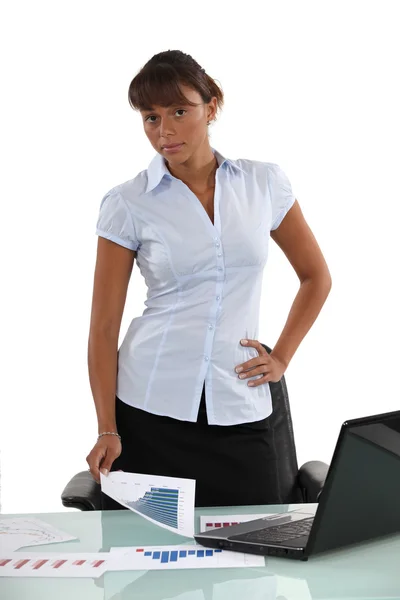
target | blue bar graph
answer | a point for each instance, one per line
(166, 556)
(160, 504)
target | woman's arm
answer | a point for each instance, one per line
(113, 269)
(298, 243)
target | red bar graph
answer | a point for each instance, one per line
(40, 563)
(21, 563)
(221, 524)
(97, 563)
(4, 561)
(75, 565)
(58, 564)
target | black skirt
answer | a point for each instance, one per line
(232, 464)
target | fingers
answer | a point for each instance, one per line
(251, 365)
(255, 344)
(108, 461)
(261, 370)
(100, 460)
(94, 459)
(260, 381)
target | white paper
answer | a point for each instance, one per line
(39, 564)
(193, 556)
(165, 501)
(20, 532)
(214, 522)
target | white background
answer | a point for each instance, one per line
(311, 85)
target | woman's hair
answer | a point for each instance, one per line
(158, 82)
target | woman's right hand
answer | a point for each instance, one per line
(103, 454)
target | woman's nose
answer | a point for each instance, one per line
(166, 128)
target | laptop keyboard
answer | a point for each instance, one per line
(278, 533)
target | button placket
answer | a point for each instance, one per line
(212, 326)
(219, 258)
(219, 254)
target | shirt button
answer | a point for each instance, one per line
(217, 244)
(215, 239)
(218, 297)
(219, 254)
(206, 357)
(210, 327)
(219, 268)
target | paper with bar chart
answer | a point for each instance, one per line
(215, 522)
(38, 564)
(165, 501)
(147, 558)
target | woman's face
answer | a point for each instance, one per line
(179, 124)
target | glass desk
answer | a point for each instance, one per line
(366, 571)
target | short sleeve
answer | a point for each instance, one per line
(281, 194)
(115, 221)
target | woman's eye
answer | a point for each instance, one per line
(154, 117)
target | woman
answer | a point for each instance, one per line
(171, 400)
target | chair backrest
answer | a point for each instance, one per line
(282, 427)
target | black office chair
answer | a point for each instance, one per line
(297, 485)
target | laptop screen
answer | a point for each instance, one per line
(360, 499)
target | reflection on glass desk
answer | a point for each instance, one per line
(366, 571)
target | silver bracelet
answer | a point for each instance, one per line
(108, 433)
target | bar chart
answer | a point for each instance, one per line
(166, 501)
(166, 556)
(53, 565)
(216, 522)
(161, 504)
(190, 556)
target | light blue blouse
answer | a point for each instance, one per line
(204, 283)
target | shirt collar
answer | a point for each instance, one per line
(157, 169)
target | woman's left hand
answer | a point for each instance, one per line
(264, 364)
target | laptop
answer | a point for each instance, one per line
(360, 499)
